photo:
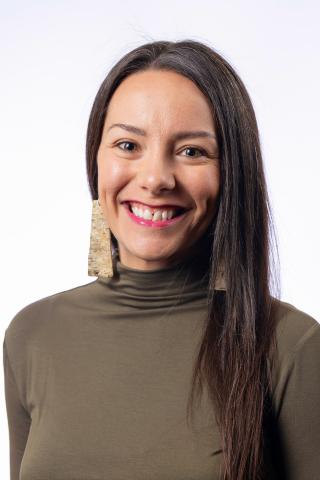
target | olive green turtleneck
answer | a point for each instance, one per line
(97, 381)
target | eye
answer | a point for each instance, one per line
(200, 150)
(126, 143)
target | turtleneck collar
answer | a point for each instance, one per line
(181, 283)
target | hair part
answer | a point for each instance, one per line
(235, 358)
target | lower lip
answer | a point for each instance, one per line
(157, 224)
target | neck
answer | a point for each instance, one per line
(200, 249)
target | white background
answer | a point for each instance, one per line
(54, 56)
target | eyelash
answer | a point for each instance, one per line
(202, 151)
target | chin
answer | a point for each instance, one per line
(154, 254)
(150, 256)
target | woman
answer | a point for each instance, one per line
(101, 380)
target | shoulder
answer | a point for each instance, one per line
(294, 329)
(297, 359)
(35, 316)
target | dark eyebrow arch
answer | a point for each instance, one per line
(176, 136)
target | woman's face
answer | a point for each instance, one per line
(156, 165)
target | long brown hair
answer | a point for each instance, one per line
(234, 359)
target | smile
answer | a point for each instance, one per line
(156, 217)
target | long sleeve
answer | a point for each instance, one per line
(18, 418)
(299, 412)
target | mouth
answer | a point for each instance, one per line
(154, 216)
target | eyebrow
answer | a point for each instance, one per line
(177, 136)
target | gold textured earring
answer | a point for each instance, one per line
(100, 253)
(220, 283)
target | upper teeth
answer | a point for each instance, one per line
(146, 213)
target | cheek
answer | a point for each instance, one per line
(204, 188)
(112, 176)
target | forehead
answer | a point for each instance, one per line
(163, 99)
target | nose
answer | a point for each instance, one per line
(155, 173)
